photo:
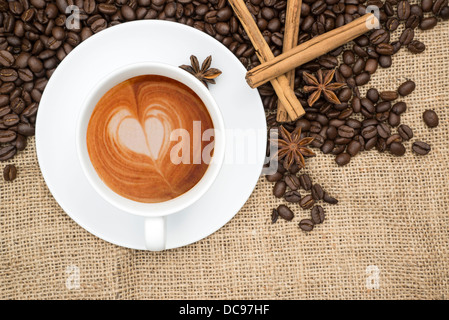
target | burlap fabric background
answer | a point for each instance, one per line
(392, 221)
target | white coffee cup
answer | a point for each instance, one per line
(154, 213)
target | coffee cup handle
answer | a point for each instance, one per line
(155, 233)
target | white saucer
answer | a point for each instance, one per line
(132, 42)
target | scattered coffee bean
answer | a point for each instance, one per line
(388, 95)
(292, 181)
(305, 181)
(343, 159)
(405, 132)
(307, 202)
(331, 200)
(317, 214)
(279, 189)
(306, 225)
(7, 152)
(397, 149)
(10, 172)
(285, 212)
(421, 148)
(430, 118)
(406, 88)
(292, 196)
(274, 177)
(274, 216)
(317, 192)
(416, 46)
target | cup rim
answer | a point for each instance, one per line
(134, 207)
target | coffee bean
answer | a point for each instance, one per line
(407, 36)
(305, 181)
(397, 149)
(416, 46)
(393, 138)
(385, 49)
(4, 110)
(307, 202)
(285, 212)
(353, 148)
(354, 123)
(430, 118)
(412, 21)
(7, 152)
(98, 25)
(274, 177)
(359, 66)
(383, 106)
(406, 88)
(405, 132)
(292, 182)
(428, 23)
(385, 61)
(274, 216)
(25, 75)
(25, 129)
(20, 143)
(292, 196)
(279, 189)
(394, 119)
(369, 132)
(383, 130)
(348, 57)
(8, 75)
(379, 36)
(343, 159)
(327, 146)
(317, 192)
(7, 136)
(10, 120)
(317, 214)
(370, 143)
(426, 5)
(294, 168)
(346, 131)
(371, 65)
(420, 147)
(392, 24)
(6, 58)
(362, 78)
(403, 10)
(7, 88)
(10, 172)
(399, 107)
(18, 105)
(444, 13)
(438, 5)
(306, 225)
(331, 200)
(388, 95)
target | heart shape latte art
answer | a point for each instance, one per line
(128, 138)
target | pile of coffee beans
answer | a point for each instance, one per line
(358, 123)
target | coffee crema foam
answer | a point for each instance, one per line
(128, 138)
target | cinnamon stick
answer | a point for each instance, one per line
(291, 32)
(280, 83)
(309, 50)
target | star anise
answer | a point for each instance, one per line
(293, 148)
(205, 74)
(321, 84)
